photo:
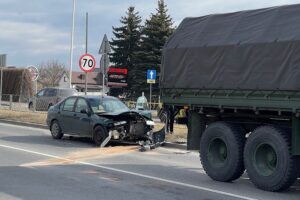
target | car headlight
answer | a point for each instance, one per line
(150, 123)
(119, 123)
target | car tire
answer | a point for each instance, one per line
(56, 131)
(268, 159)
(221, 151)
(31, 106)
(99, 135)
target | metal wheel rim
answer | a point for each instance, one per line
(217, 154)
(55, 129)
(265, 159)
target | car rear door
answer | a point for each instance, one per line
(82, 121)
(38, 99)
(66, 117)
(49, 98)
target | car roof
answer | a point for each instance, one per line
(96, 97)
(58, 88)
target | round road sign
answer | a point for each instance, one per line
(87, 63)
(34, 72)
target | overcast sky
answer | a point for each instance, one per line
(34, 31)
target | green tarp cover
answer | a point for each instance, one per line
(257, 49)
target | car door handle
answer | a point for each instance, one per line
(75, 115)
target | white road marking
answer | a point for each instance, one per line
(132, 173)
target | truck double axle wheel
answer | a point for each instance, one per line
(266, 155)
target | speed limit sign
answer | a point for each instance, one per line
(87, 63)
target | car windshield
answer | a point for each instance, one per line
(107, 105)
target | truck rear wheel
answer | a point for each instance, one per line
(221, 151)
(268, 159)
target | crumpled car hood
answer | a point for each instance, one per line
(116, 114)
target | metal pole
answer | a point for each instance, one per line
(72, 43)
(36, 87)
(103, 81)
(86, 48)
(150, 96)
(1, 82)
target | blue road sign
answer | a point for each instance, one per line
(151, 74)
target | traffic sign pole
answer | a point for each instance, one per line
(104, 50)
(151, 77)
(86, 50)
(150, 95)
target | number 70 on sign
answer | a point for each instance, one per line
(87, 63)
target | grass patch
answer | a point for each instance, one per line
(31, 117)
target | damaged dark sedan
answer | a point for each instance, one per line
(103, 118)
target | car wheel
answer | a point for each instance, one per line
(31, 106)
(268, 159)
(56, 131)
(221, 151)
(99, 135)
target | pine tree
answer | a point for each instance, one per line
(125, 45)
(154, 35)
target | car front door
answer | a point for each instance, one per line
(82, 119)
(49, 98)
(39, 99)
(66, 117)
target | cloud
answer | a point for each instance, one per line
(37, 30)
(36, 38)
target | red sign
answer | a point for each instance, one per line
(34, 72)
(118, 70)
(87, 63)
(117, 77)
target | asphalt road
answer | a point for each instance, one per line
(33, 166)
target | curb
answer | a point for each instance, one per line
(27, 124)
(41, 126)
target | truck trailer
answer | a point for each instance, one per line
(238, 77)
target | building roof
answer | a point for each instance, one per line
(93, 78)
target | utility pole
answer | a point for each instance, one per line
(1, 81)
(2, 65)
(86, 48)
(72, 43)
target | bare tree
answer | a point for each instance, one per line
(51, 73)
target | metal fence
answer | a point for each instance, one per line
(154, 106)
(25, 103)
(14, 102)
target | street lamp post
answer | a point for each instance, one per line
(72, 43)
(1, 82)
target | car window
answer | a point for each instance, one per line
(107, 105)
(40, 93)
(81, 105)
(67, 92)
(69, 104)
(50, 92)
